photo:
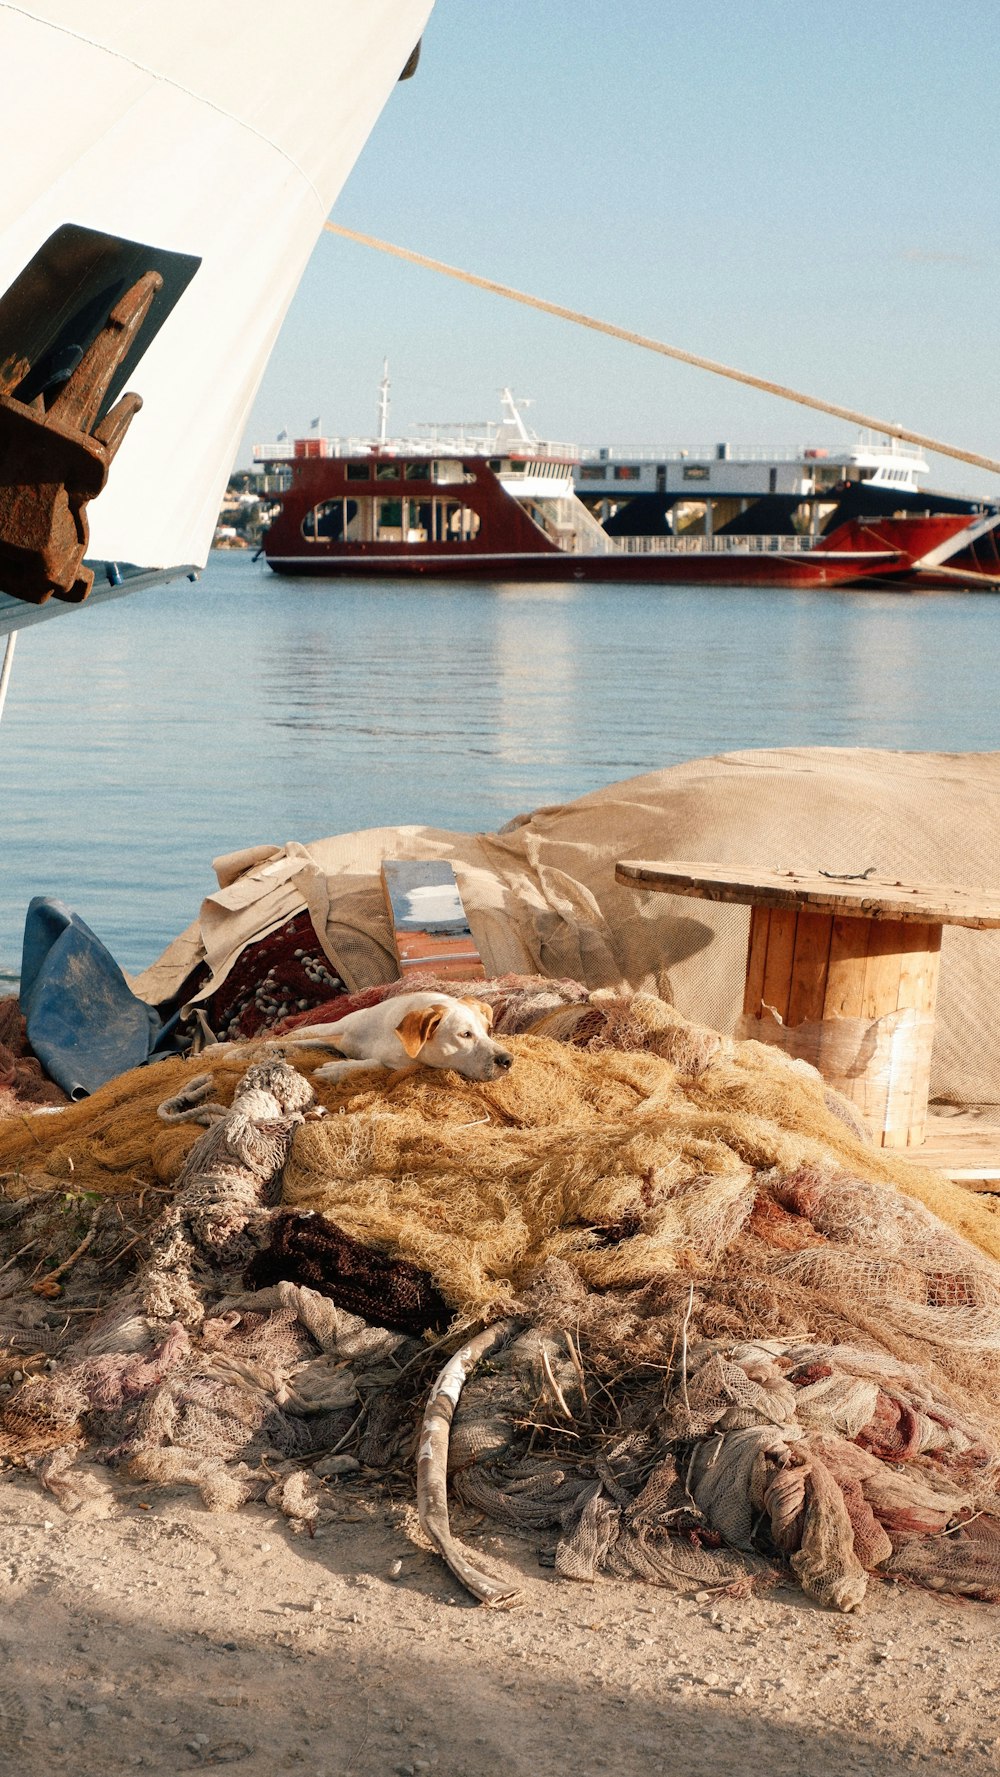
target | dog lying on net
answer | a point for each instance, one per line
(429, 1029)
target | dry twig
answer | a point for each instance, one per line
(684, 1353)
(560, 1398)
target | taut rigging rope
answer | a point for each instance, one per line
(888, 427)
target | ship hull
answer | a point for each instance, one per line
(729, 569)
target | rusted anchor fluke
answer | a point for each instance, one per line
(54, 457)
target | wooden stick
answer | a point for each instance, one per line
(684, 1353)
(888, 428)
(561, 1402)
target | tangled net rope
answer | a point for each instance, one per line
(723, 1343)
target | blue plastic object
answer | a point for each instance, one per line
(84, 1022)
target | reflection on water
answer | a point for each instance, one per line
(144, 738)
(527, 732)
(885, 667)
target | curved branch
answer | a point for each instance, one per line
(432, 1464)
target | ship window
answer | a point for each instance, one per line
(329, 522)
(447, 469)
(628, 472)
(697, 472)
(418, 520)
(358, 472)
(593, 472)
(514, 469)
(387, 472)
(417, 471)
(388, 521)
(454, 523)
(495, 463)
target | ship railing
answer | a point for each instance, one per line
(437, 442)
(891, 448)
(751, 544)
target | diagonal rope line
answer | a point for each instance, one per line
(888, 427)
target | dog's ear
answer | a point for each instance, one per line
(418, 1026)
(480, 1006)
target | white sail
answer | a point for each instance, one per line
(220, 128)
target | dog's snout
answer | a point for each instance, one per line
(503, 1060)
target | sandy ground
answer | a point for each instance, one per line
(144, 1633)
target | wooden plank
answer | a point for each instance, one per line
(967, 1152)
(880, 993)
(878, 997)
(893, 1089)
(753, 992)
(845, 975)
(813, 935)
(778, 965)
(917, 993)
(871, 898)
(430, 927)
(842, 1011)
(918, 975)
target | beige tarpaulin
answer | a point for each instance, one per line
(542, 898)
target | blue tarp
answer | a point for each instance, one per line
(84, 1022)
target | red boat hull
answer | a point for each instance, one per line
(470, 527)
(657, 570)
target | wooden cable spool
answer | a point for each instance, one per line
(842, 972)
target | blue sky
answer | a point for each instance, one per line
(808, 193)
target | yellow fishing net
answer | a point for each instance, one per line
(699, 1227)
(617, 1158)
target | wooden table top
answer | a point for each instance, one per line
(867, 898)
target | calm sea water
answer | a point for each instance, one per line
(142, 739)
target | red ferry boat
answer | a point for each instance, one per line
(501, 504)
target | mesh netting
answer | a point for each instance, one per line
(22, 1082)
(740, 1326)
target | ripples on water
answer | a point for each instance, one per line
(144, 738)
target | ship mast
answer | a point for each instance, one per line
(512, 415)
(383, 404)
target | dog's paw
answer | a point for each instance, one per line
(334, 1071)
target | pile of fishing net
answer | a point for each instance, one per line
(22, 1080)
(723, 1334)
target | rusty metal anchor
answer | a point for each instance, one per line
(55, 455)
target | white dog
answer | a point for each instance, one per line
(430, 1029)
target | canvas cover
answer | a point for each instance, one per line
(542, 898)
